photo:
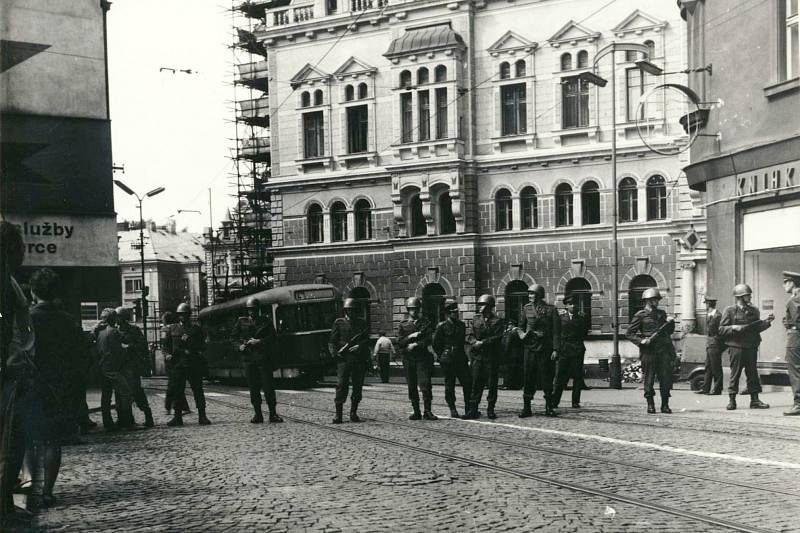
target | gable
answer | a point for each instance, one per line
(638, 21)
(572, 31)
(308, 73)
(353, 66)
(512, 41)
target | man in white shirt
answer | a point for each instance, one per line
(382, 354)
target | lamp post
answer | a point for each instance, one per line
(145, 291)
(615, 381)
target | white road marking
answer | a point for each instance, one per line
(217, 394)
(648, 445)
(289, 391)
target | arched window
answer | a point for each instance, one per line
(419, 227)
(566, 61)
(305, 99)
(422, 76)
(362, 297)
(590, 203)
(505, 70)
(362, 91)
(318, 97)
(363, 214)
(516, 297)
(338, 222)
(638, 285)
(440, 74)
(315, 223)
(656, 198)
(651, 48)
(583, 59)
(628, 200)
(433, 302)
(530, 208)
(447, 222)
(581, 291)
(405, 79)
(503, 211)
(563, 205)
(349, 93)
(519, 68)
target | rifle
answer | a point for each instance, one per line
(659, 331)
(752, 325)
(355, 339)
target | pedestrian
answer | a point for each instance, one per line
(382, 354)
(714, 349)
(650, 330)
(168, 322)
(448, 344)
(740, 328)
(574, 329)
(186, 347)
(256, 339)
(541, 336)
(348, 346)
(791, 321)
(414, 336)
(108, 341)
(486, 351)
(136, 360)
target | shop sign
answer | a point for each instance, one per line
(769, 179)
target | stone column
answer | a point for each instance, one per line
(688, 319)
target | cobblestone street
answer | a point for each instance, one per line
(606, 467)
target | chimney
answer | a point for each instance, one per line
(172, 226)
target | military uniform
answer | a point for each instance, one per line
(574, 328)
(448, 343)
(743, 345)
(418, 362)
(186, 348)
(542, 336)
(256, 358)
(714, 349)
(791, 321)
(136, 354)
(485, 359)
(658, 355)
(350, 365)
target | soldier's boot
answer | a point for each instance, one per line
(549, 408)
(353, 414)
(755, 403)
(177, 419)
(651, 406)
(202, 419)
(416, 415)
(273, 415)
(526, 409)
(490, 411)
(665, 406)
(732, 402)
(338, 418)
(108, 423)
(454, 411)
(258, 417)
(427, 413)
(148, 418)
(556, 399)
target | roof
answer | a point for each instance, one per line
(161, 245)
(425, 38)
(278, 295)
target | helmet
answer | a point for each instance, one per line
(183, 309)
(124, 313)
(107, 314)
(742, 289)
(450, 304)
(252, 303)
(537, 289)
(350, 303)
(413, 302)
(168, 317)
(568, 299)
(651, 293)
(486, 299)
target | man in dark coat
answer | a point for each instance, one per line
(574, 328)
(487, 334)
(108, 341)
(714, 349)
(414, 336)
(348, 345)
(448, 343)
(791, 321)
(185, 352)
(136, 359)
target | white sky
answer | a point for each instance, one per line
(172, 130)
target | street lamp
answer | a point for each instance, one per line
(615, 381)
(145, 292)
(655, 70)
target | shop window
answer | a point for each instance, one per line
(422, 76)
(315, 224)
(349, 93)
(405, 79)
(566, 61)
(519, 68)
(516, 294)
(406, 118)
(581, 290)
(314, 134)
(574, 103)
(338, 222)
(514, 117)
(788, 41)
(440, 74)
(305, 99)
(564, 205)
(590, 203)
(363, 91)
(419, 226)
(357, 129)
(656, 198)
(433, 296)
(447, 222)
(424, 104)
(505, 70)
(530, 208)
(628, 200)
(441, 113)
(362, 297)
(638, 285)
(583, 59)
(503, 211)
(363, 215)
(318, 97)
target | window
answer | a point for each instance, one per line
(338, 222)
(363, 91)
(433, 302)
(656, 198)
(419, 226)
(349, 93)
(357, 129)
(406, 118)
(628, 200)
(575, 103)
(503, 210)
(789, 41)
(332, 6)
(441, 113)
(405, 79)
(424, 103)
(651, 49)
(638, 285)
(90, 311)
(422, 76)
(519, 68)
(516, 294)
(305, 99)
(362, 297)
(447, 222)
(563, 205)
(440, 74)
(590, 203)
(133, 285)
(566, 61)
(505, 70)
(314, 135)
(318, 97)
(631, 56)
(530, 208)
(583, 59)
(363, 214)
(637, 83)
(315, 222)
(515, 116)
(581, 290)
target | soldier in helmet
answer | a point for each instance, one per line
(487, 334)
(134, 347)
(650, 330)
(540, 331)
(574, 328)
(185, 354)
(448, 344)
(348, 345)
(112, 364)
(714, 348)
(791, 321)
(740, 328)
(414, 335)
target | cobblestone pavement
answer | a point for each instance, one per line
(307, 475)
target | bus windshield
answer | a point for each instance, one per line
(306, 317)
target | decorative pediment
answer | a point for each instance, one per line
(572, 33)
(638, 22)
(354, 67)
(511, 42)
(309, 74)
